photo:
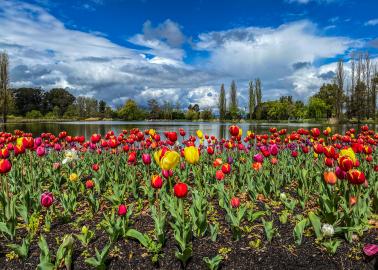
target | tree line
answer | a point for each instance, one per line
(344, 97)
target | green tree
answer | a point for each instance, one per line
(34, 114)
(258, 93)
(59, 97)
(233, 101)
(131, 111)
(252, 100)
(317, 108)
(222, 103)
(328, 93)
(28, 99)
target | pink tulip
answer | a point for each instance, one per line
(47, 199)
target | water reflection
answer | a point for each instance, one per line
(101, 127)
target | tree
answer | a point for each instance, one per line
(317, 108)
(28, 99)
(339, 82)
(60, 98)
(328, 93)
(154, 108)
(131, 111)
(34, 114)
(4, 83)
(258, 93)
(101, 108)
(206, 114)
(252, 100)
(233, 100)
(222, 103)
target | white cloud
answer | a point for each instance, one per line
(372, 22)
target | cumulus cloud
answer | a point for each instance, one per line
(46, 53)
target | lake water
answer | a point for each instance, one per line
(212, 128)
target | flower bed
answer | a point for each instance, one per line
(144, 200)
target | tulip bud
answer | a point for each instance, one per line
(235, 202)
(47, 199)
(89, 184)
(122, 210)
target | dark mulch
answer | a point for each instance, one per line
(281, 253)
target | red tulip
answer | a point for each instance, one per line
(356, 177)
(95, 167)
(219, 175)
(5, 166)
(156, 182)
(226, 168)
(89, 184)
(234, 130)
(345, 163)
(235, 202)
(180, 190)
(122, 210)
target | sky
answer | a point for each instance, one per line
(181, 50)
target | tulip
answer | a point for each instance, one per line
(345, 163)
(356, 177)
(226, 168)
(340, 173)
(234, 130)
(230, 160)
(330, 178)
(73, 177)
(95, 167)
(328, 230)
(199, 134)
(352, 200)
(180, 190)
(167, 173)
(47, 199)
(146, 158)
(217, 162)
(235, 202)
(89, 184)
(122, 210)
(219, 175)
(167, 159)
(156, 182)
(191, 154)
(40, 151)
(294, 154)
(5, 166)
(56, 165)
(258, 158)
(256, 166)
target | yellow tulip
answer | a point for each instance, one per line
(157, 155)
(191, 154)
(348, 153)
(73, 177)
(169, 160)
(19, 140)
(249, 133)
(199, 134)
(316, 155)
(240, 132)
(328, 129)
(151, 132)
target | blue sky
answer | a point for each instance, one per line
(183, 50)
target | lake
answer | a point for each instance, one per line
(212, 128)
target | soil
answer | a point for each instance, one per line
(281, 253)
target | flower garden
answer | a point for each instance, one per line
(144, 200)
